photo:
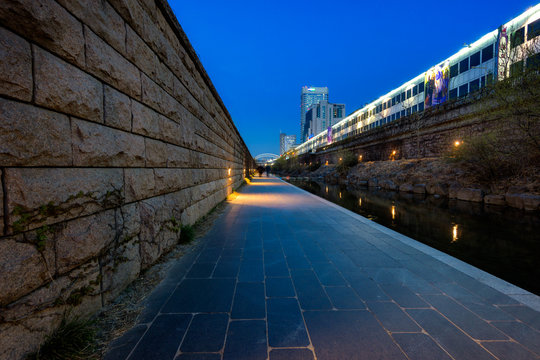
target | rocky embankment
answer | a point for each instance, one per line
(433, 176)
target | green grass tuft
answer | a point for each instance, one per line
(187, 234)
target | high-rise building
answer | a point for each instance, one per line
(310, 96)
(321, 116)
(286, 142)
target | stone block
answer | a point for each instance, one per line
(156, 153)
(140, 54)
(1, 206)
(131, 222)
(47, 24)
(96, 145)
(49, 195)
(493, 199)
(158, 99)
(165, 77)
(30, 136)
(109, 65)
(131, 12)
(181, 93)
(150, 123)
(15, 66)
(63, 87)
(453, 191)
(139, 184)
(388, 184)
(120, 267)
(101, 18)
(419, 188)
(406, 188)
(22, 269)
(82, 239)
(117, 109)
(171, 180)
(178, 156)
(437, 189)
(523, 201)
(468, 194)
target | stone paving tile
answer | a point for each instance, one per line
(120, 348)
(298, 262)
(328, 274)
(454, 341)
(201, 295)
(291, 354)
(246, 340)
(525, 314)
(198, 357)
(392, 317)
(522, 333)
(470, 323)
(162, 339)
(201, 270)
(372, 259)
(311, 294)
(349, 335)
(279, 287)
(344, 297)
(249, 301)
(366, 288)
(251, 271)
(206, 333)
(508, 350)
(285, 323)
(403, 296)
(420, 346)
(227, 268)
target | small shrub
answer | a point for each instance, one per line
(187, 234)
(348, 160)
(73, 340)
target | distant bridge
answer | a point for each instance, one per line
(265, 158)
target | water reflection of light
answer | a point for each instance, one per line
(393, 212)
(327, 189)
(455, 233)
(359, 201)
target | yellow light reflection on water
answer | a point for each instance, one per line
(327, 189)
(340, 194)
(359, 201)
(455, 233)
(393, 212)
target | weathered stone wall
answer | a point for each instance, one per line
(111, 137)
(430, 135)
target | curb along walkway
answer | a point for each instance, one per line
(284, 275)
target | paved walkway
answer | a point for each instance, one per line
(285, 275)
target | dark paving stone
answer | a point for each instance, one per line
(298, 262)
(228, 253)
(249, 301)
(419, 346)
(372, 259)
(227, 268)
(507, 350)
(161, 341)
(253, 253)
(349, 335)
(424, 271)
(401, 276)
(522, 333)
(403, 296)
(285, 324)
(279, 287)
(198, 357)
(251, 271)
(342, 262)
(201, 270)
(120, 348)
(314, 254)
(344, 298)
(392, 317)
(488, 293)
(366, 288)
(470, 323)
(291, 354)
(276, 267)
(453, 340)
(246, 340)
(295, 251)
(311, 294)
(328, 274)
(525, 314)
(206, 333)
(201, 295)
(155, 301)
(209, 255)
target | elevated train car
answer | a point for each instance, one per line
(493, 57)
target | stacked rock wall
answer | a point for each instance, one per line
(111, 137)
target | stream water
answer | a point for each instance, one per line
(504, 242)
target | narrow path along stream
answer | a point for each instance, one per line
(502, 241)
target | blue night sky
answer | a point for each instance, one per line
(260, 53)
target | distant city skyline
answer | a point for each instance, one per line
(310, 95)
(259, 54)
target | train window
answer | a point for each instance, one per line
(453, 93)
(389, 103)
(421, 106)
(415, 90)
(402, 113)
(463, 90)
(482, 81)
(517, 37)
(403, 96)
(393, 101)
(475, 59)
(463, 65)
(487, 53)
(414, 109)
(397, 115)
(384, 105)
(489, 79)
(454, 71)
(533, 62)
(408, 93)
(533, 29)
(421, 87)
(516, 68)
(474, 85)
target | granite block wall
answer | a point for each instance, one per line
(111, 137)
